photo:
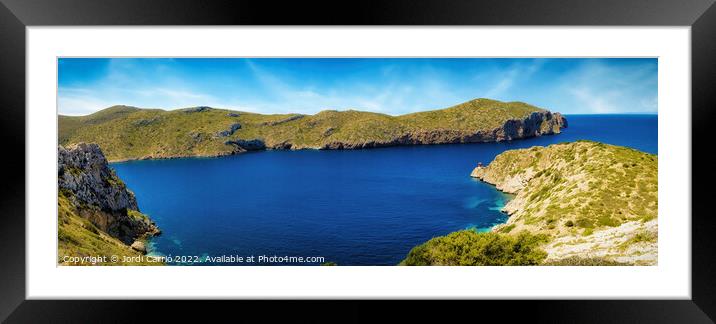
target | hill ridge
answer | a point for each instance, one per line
(126, 132)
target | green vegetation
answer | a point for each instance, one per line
(78, 237)
(572, 191)
(132, 133)
(68, 125)
(584, 185)
(137, 215)
(507, 229)
(644, 236)
(471, 248)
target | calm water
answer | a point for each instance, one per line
(364, 207)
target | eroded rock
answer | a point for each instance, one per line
(232, 129)
(139, 247)
(85, 179)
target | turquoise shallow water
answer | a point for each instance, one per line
(363, 207)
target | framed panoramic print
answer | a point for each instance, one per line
(549, 152)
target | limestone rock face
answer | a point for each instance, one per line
(84, 177)
(232, 129)
(197, 109)
(248, 145)
(82, 169)
(615, 243)
(536, 124)
(139, 247)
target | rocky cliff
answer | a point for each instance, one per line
(94, 198)
(537, 123)
(593, 200)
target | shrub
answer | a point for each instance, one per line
(585, 223)
(471, 248)
(507, 228)
(643, 236)
(607, 221)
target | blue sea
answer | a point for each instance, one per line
(360, 207)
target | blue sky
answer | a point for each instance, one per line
(388, 85)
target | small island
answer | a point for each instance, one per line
(579, 203)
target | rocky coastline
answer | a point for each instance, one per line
(536, 124)
(593, 200)
(130, 133)
(93, 192)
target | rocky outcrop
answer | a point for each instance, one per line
(86, 180)
(536, 124)
(282, 121)
(248, 145)
(197, 109)
(82, 169)
(282, 146)
(139, 246)
(146, 122)
(232, 129)
(619, 244)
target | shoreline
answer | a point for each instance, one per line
(509, 197)
(228, 154)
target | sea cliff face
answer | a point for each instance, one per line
(593, 200)
(97, 212)
(83, 170)
(127, 133)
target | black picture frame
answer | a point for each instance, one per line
(16, 15)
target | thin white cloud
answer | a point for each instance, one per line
(393, 95)
(83, 101)
(79, 106)
(601, 88)
(588, 88)
(599, 103)
(517, 73)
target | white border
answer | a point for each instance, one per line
(670, 279)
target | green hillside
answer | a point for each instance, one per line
(578, 186)
(132, 133)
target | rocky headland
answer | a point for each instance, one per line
(537, 123)
(581, 203)
(127, 133)
(98, 215)
(591, 200)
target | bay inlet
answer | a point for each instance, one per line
(350, 207)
